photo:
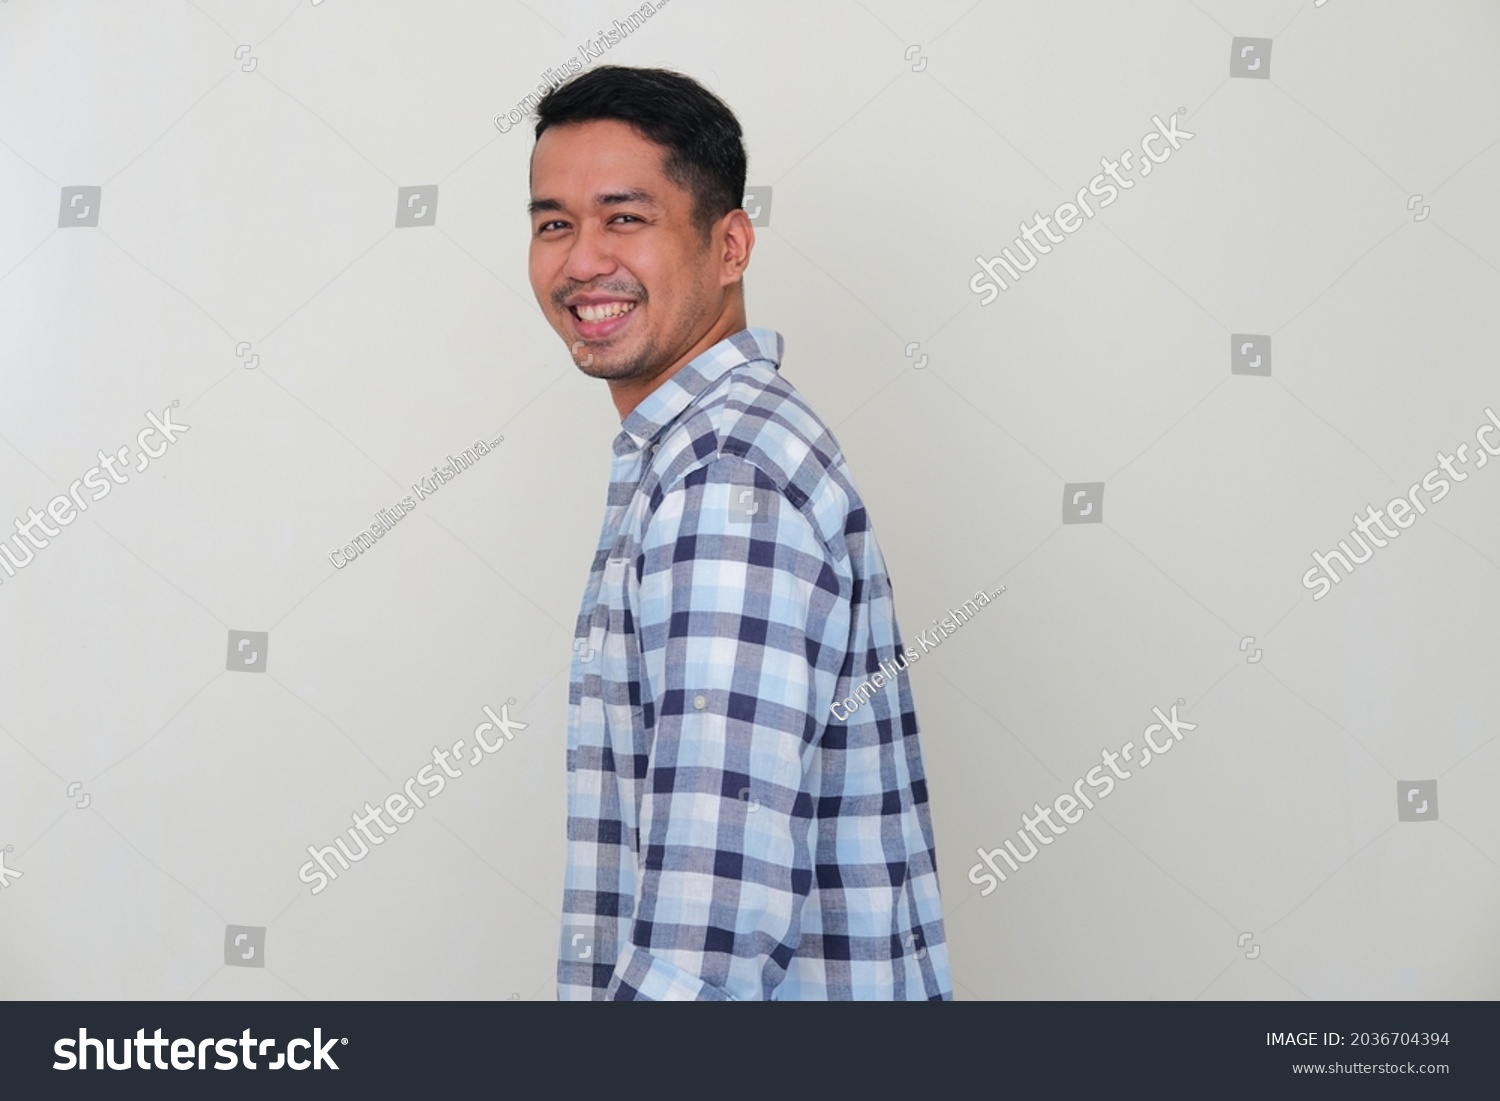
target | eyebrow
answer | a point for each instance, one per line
(605, 198)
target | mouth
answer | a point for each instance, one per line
(598, 320)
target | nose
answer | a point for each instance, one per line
(590, 256)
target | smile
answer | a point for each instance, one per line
(601, 312)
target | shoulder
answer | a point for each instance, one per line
(753, 428)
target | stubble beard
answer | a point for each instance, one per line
(647, 362)
(640, 365)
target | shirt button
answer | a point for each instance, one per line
(699, 702)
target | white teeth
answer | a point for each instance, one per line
(602, 313)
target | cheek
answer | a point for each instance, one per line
(665, 279)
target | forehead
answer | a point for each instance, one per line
(580, 162)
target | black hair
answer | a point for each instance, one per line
(705, 150)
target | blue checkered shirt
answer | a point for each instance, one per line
(728, 837)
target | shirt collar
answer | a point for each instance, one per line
(667, 402)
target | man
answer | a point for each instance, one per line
(728, 837)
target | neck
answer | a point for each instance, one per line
(627, 393)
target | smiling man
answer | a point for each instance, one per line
(728, 837)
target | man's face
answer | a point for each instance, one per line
(616, 263)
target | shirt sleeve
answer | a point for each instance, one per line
(744, 624)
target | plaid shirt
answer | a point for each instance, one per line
(728, 837)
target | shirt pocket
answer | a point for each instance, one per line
(616, 615)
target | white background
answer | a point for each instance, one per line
(259, 206)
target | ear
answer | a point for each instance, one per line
(734, 238)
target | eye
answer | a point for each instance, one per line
(632, 217)
(545, 226)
